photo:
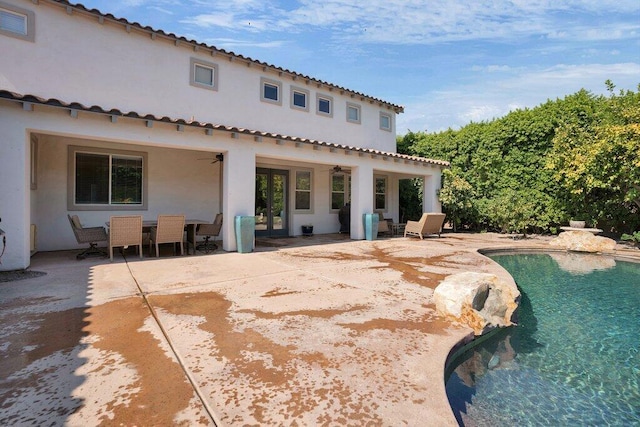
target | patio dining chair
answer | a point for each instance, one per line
(90, 235)
(209, 231)
(430, 223)
(383, 225)
(170, 229)
(125, 231)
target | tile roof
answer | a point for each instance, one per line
(76, 106)
(145, 28)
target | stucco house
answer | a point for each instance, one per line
(101, 116)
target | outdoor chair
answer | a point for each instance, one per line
(430, 223)
(90, 235)
(125, 231)
(170, 229)
(383, 225)
(209, 231)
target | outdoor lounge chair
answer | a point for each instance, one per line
(170, 229)
(90, 235)
(430, 223)
(208, 231)
(125, 231)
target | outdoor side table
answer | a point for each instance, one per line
(397, 228)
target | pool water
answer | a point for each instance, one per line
(574, 357)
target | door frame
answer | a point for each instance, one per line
(270, 231)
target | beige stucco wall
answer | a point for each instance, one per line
(103, 64)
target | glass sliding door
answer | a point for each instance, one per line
(272, 203)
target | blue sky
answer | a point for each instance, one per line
(448, 62)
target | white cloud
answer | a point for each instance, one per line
(493, 97)
(233, 44)
(427, 22)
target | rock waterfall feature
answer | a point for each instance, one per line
(479, 300)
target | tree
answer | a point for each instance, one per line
(566, 157)
(456, 197)
(597, 162)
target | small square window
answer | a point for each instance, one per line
(17, 22)
(385, 121)
(353, 113)
(324, 105)
(270, 91)
(204, 74)
(299, 98)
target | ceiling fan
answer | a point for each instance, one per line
(216, 159)
(337, 169)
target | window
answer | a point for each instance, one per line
(103, 180)
(340, 185)
(270, 91)
(299, 99)
(381, 194)
(204, 74)
(17, 22)
(385, 121)
(303, 190)
(353, 113)
(324, 105)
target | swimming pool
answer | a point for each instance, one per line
(574, 357)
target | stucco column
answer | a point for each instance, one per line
(15, 191)
(239, 191)
(430, 200)
(361, 198)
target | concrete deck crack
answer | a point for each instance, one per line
(209, 410)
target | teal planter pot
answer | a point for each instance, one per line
(245, 233)
(370, 226)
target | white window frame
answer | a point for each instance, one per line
(29, 17)
(385, 194)
(354, 107)
(71, 180)
(195, 62)
(347, 190)
(278, 85)
(389, 118)
(306, 94)
(296, 190)
(329, 99)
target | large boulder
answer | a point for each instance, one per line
(478, 300)
(583, 241)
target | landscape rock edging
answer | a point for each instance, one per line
(583, 241)
(479, 300)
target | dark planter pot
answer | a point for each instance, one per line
(307, 230)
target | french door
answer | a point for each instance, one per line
(272, 204)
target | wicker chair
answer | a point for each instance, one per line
(125, 231)
(383, 225)
(170, 229)
(430, 223)
(208, 231)
(90, 235)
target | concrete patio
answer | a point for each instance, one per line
(303, 331)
